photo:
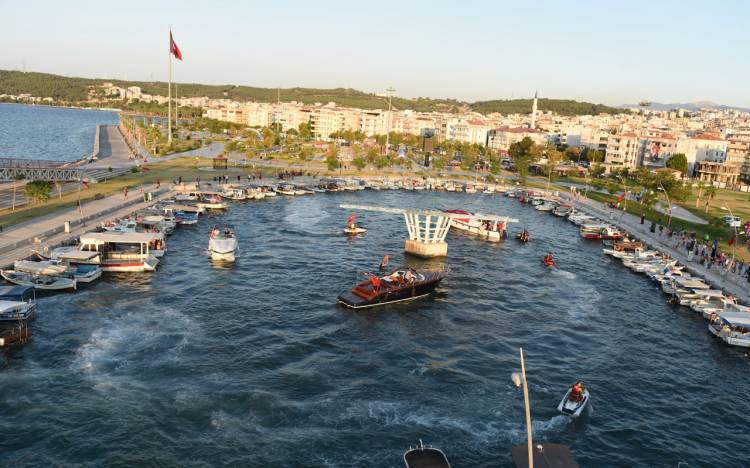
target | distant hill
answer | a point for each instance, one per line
(689, 106)
(72, 89)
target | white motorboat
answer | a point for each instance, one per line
(545, 206)
(562, 210)
(47, 268)
(733, 328)
(42, 282)
(491, 228)
(470, 189)
(450, 187)
(17, 303)
(123, 225)
(286, 189)
(574, 406)
(234, 194)
(222, 243)
(212, 203)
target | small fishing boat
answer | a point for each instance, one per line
(81, 273)
(562, 210)
(545, 206)
(600, 231)
(222, 243)
(423, 456)
(235, 194)
(574, 404)
(286, 189)
(123, 225)
(404, 284)
(41, 282)
(213, 202)
(17, 303)
(470, 189)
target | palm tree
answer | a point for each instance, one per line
(701, 187)
(710, 193)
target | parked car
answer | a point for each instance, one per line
(732, 221)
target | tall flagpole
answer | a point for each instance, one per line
(169, 99)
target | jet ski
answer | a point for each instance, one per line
(572, 406)
(548, 261)
(353, 231)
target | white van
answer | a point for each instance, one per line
(732, 221)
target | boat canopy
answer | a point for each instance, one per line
(736, 319)
(78, 255)
(120, 237)
(710, 293)
(176, 207)
(691, 283)
(16, 293)
(152, 219)
(39, 268)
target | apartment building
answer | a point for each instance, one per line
(623, 152)
(702, 147)
(501, 138)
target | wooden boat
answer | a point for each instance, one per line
(404, 284)
(81, 273)
(17, 334)
(423, 456)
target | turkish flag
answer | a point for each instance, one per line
(173, 49)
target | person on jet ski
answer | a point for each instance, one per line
(548, 259)
(525, 236)
(576, 392)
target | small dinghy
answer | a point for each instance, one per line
(42, 282)
(425, 457)
(523, 236)
(575, 400)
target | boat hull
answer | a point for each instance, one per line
(391, 295)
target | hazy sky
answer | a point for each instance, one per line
(605, 51)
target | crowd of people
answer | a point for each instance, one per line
(705, 252)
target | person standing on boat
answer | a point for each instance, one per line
(383, 263)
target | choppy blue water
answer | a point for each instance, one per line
(52, 133)
(255, 365)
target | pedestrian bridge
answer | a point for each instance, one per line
(39, 169)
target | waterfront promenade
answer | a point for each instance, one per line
(720, 278)
(17, 242)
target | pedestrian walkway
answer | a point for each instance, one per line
(18, 241)
(720, 278)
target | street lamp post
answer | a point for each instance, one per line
(736, 233)
(520, 380)
(669, 219)
(390, 92)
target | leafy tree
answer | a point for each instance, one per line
(359, 163)
(332, 162)
(38, 190)
(597, 170)
(573, 153)
(306, 153)
(594, 156)
(679, 162)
